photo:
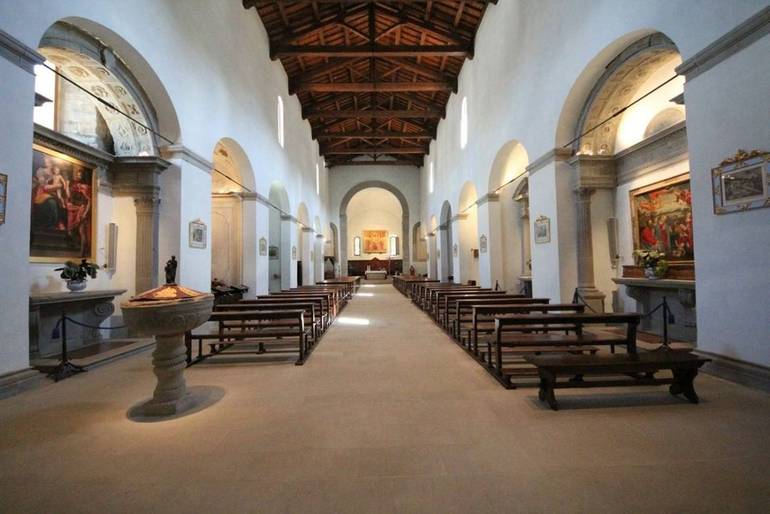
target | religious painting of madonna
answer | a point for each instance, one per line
(662, 218)
(63, 207)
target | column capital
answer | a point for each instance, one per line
(133, 176)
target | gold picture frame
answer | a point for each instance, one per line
(661, 218)
(63, 207)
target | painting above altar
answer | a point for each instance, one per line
(662, 218)
(63, 205)
(375, 241)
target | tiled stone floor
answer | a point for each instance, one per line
(385, 417)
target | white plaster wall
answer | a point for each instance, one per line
(214, 91)
(374, 209)
(727, 109)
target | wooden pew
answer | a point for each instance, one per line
(327, 308)
(547, 324)
(683, 366)
(432, 293)
(447, 303)
(313, 318)
(265, 328)
(463, 315)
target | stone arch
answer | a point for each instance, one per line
(607, 84)
(279, 237)
(507, 233)
(446, 244)
(233, 216)
(101, 61)
(468, 234)
(343, 255)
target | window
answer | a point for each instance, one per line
(280, 121)
(464, 122)
(357, 246)
(393, 246)
(430, 178)
(45, 86)
(317, 179)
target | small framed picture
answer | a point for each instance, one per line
(197, 234)
(294, 253)
(455, 250)
(3, 196)
(742, 182)
(483, 243)
(262, 246)
(542, 230)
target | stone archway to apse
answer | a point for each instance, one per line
(343, 217)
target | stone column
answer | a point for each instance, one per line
(147, 229)
(139, 177)
(343, 253)
(585, 252)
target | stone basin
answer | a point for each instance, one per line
(150, 314)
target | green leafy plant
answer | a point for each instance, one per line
(78, 272)
(652, 259)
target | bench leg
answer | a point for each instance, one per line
(545, 393)
(684, 384)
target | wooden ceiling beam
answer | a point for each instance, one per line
(379, 134)
(399, 162)
(380, 150)
(330, 67)
(370, 87)
(423, 70)
(414, 113)
(284, 51)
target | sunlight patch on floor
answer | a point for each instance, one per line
(345, 320)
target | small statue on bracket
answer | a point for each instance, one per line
(171, 270)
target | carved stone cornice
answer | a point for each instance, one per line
(137, 176)
(308, 229)
(657, 151)
(594, 171)
(71, 147)
(181, 152)
(557, 154)
(459, 217)
(489, 197)
(18, 53)
(731, 43)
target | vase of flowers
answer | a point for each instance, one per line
(76, 274)
(654, 263)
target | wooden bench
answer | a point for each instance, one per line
(463, 315)
(441, 304)
(546, 324)
(313, 318)
(261, 327)
(432, 295)
(683, 366)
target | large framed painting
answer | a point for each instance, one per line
(662, 218)
(742, 182)
(63, 207)
(375, 241)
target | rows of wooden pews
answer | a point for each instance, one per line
(518, 339)
(290, 322)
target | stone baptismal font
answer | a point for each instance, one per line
(167, 312)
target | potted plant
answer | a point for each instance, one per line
(654, 263)
(76, 274)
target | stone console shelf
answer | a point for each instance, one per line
(680, 295)
(45, 309)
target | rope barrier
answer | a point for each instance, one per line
(667, 317)
(57, 329)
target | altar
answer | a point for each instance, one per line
(680, 296)
(87, 307)
(376, 274)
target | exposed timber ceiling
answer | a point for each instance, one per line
(373, 77)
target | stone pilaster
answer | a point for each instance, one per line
(147, 230)
(585, 252)
(139, 177)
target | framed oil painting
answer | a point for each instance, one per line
(542, 230)
(3, 196)
(198, 234)
(63, 207)
(375, 241)
(742, 182)
(662, 218)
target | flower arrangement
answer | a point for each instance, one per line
(654, 262)
(77, 273)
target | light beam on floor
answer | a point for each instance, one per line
(344, 320)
